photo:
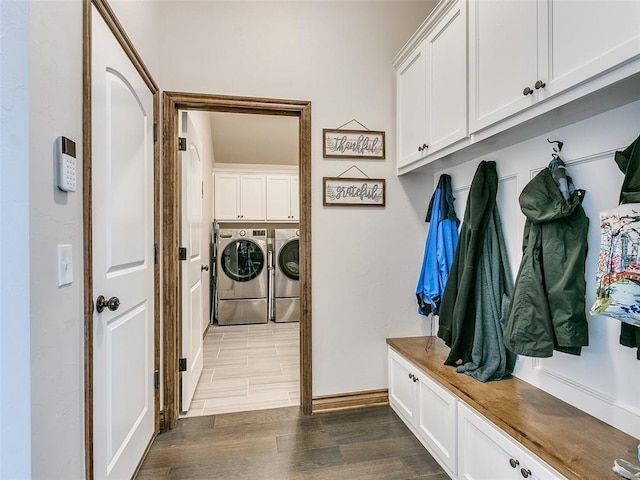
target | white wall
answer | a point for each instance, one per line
(337, 55)
(57, 332)
(15, 392)
(603, 381)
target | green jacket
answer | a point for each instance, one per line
(548, 309)
(457, 311)
(628, 162)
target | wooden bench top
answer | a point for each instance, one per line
(576, 444)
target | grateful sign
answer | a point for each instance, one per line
(340, 191)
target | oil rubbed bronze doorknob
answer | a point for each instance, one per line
(540, 84)
(527, 91)
(525, 472)
(424, 146)
(112, 304)
(513, 462)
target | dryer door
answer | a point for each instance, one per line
(289, 259)
(242, 262)
(288, 272)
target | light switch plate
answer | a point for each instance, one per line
(65, 265)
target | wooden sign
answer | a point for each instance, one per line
(353, 144)
(348, 192)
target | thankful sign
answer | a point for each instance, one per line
(340, 191)
(353, 144)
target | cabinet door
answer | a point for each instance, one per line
(483, 452)
(447, 79)
(582, 39)
(295, 197)
(279, 197)
(537, 470)
(402, 388)
(503, 59)
(411, 89)
(437, 420)
(227, 196)
(252, 197)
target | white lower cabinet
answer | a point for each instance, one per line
(486, 453)
(465, 444)
(428, 409)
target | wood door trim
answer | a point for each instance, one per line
(172, 103)
(351, 400)
(116, 28)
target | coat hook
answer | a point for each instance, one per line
(558, 143)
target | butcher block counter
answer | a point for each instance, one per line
(574, 443)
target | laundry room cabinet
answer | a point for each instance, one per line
(521, 53)
(283, 198)
(239, 197)
(486, 453)
(428, 409)
(432, 85)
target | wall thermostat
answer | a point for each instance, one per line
(66, 164)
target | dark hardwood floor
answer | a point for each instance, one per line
(283, 444)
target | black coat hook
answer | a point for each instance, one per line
(558, 143)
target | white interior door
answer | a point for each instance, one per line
(123, 257)
(192, 285)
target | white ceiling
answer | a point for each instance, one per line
(241, 138)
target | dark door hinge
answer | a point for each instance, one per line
(155, 132)
(156, 379)
(182, 365)
(182, 144)
(182, 253)
(155, 254)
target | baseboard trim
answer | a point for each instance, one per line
(345, 401)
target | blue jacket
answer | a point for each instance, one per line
(442, 239)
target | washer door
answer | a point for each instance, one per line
(289, 260)
(242, 260)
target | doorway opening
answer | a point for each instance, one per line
(173, 102)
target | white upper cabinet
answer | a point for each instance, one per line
(446, 54)
(252, 197)
(411, 120)
(239, 197)
(584, 39)
(283, 198)
(226, 196)
(502, 59)
(526, 51)
(478, 68)
(431, 85)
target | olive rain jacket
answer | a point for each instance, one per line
(628, 162)
(457, 312)
(548, 309)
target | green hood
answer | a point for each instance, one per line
(542, 202)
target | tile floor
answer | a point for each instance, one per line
(248, 367)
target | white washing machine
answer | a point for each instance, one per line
(286, 291)
(241, 271)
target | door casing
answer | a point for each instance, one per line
(172, 103)
(105, 10)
